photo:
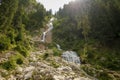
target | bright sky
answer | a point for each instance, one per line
(54, 4)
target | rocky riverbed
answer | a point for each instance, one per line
(39, 67)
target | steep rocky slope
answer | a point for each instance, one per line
(38, 66)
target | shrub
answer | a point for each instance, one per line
(4, 42)
(11, 34)
(8, 65)
(17, 58)
(20, 48)
(13, 61)
(19, 61)
(56, 52)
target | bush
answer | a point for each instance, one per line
(13, 61)
(8, 65)
(19, 61)
(56, 52)
(95, 71)
(4, 42)
(11, 34)
(20, 35)
(20, 48)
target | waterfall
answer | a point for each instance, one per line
(43, 37)
(50, 27)
(71, 56)
(58, 46)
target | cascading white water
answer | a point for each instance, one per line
(50, 27)
(71, 56)
(43, 37)
(58, 46)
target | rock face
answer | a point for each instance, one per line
(49, 37)
(71, 56)
(51, 68)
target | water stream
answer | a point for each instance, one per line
(50, 27)
(58, 47)
(69, 56)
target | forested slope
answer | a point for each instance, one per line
(92, 28)
(19, 19)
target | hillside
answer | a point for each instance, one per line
(79, 42)
(91, 28)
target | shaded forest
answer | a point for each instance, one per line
(92, 28)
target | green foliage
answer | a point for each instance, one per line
(91, 19)
(22, 49)
(21, 33)
(56, 52)
(66, 35)
(36, 18)
(7, 11)
(96, 72)
(16, 18)
(13, 61)
(54, 64)
(8, 65)
(4, 42)
(19, 61)
(91, 28)
(11, 35)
